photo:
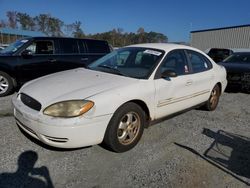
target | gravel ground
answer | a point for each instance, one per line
(195, 149)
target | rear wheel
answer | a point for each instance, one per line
(125, 128)
(213, 100)
(6, 84)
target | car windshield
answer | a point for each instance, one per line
(13, 47)
(238, 58)
(131, 62)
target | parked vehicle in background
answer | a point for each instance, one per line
(30, 58)
(117, 96)
(238, 70)
(218, 54)
(2, 46)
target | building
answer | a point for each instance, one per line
(8, 35)
(227, 37)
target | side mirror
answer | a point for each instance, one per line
(168, 73)
(27, 54)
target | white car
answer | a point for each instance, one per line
(116, 97)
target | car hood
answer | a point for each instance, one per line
(236, 67)
(73, 84)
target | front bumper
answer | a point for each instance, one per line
(59, 132)
(239, 79)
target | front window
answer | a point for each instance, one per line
(239, 58)
(13, 47)
(41, 47)
(175, 61)
(131, 62)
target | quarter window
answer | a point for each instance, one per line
(199, 62)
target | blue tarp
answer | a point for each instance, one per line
(9, 31)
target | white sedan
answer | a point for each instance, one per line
(116, 97)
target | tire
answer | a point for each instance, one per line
(213, 100)
(6, 84)
(125, 128)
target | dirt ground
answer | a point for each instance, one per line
(195, 149)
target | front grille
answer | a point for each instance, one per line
(30, 102)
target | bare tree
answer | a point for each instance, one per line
(12, 19)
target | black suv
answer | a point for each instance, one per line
(30, 58)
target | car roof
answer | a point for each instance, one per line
(241, 53)
(51, 38)
(164, 46)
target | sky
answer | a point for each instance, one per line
(175, 19)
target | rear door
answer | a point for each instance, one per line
(71, 54)
(96, 49)
(202, 75)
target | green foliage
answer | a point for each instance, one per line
(12, 19)
(118, 38)
(53, 26)
(26, 21)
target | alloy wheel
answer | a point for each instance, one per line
(128, 128)
(4, 84)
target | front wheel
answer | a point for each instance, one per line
(213, 100)
(6, 84)
(125, 128)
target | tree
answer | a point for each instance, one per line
(77, 30)
(12, 19)
(68, 29)
(141, 35)
(55, 27)
(140, 30)
(26, 21)
(41, 22)
(49, 25)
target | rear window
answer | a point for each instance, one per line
(97, 46)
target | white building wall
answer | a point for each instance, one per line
(238, 37)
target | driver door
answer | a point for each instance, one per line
(173, 93)
(40, 61)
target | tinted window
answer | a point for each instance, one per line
(238, 57)
(198, 61)
(175, 61)
(69, 46)
(219, 54)
(97, 46)
(41, 47)
(82, 46)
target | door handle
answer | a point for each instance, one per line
(84, 59)
(189, 82)
(52, 60)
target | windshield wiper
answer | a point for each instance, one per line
(114, 70)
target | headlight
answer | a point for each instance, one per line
(68, 109)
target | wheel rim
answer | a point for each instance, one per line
(214, 97)
(128, 128)
(4, 84)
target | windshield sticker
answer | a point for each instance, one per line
(153, 52)
(24, 41)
